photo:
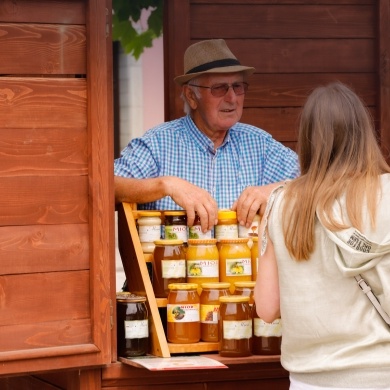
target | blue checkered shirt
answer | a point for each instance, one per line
(248, 157)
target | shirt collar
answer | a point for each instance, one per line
(201, 139)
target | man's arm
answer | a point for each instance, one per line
(188, 196)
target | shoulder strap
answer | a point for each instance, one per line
(367, 290)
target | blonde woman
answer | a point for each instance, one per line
(319, 231)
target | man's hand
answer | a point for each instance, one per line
(193, 199)
(252, 201)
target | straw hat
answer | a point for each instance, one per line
(211, 56)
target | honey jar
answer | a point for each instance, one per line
(149, 229)
(209, 309)
(235, 326)
(251, 232)
(202, 261)
(175, 225)
(227, 225)
(132, 325)
(183, 316)
(195, 231)
(255, 257)
(267, 337)
(169, 265)
(245, 288)
(234, 261)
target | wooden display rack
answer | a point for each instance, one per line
(138, 280)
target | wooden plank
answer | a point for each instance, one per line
(57, 296)
(42, 49)
(137, 276)
(30, 200)
(44, 248)
(43, 11)
(252, 21)
(45, 334)
(26, 382)
(32, 151)
(291, 90)
(306, 55)
(36, 103)
(384, 75)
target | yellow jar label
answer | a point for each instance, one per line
(195, 232)
(237, 330)
(183, 313)
(209, 314)
(173, 269)
(265, 329)
(176, 232)
(137, 329)
(203, 268)
(239, 267)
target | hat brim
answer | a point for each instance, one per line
(226, 69)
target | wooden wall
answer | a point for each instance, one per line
(295, 45)
(56, 189)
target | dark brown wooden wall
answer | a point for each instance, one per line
(56, 191)
(295, 45)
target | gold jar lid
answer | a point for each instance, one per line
(168, 242)
(216, 285)
(227, 214)
(174, 212)
(148, 214)
(124, 296)
(182, 286)
(242, 240)
(201, 241)
(245, 284)
(234, 298)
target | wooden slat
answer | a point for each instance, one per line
(29, 200)
(53, 296)
(291, 90)
(306, 55)
(43, 152)
(45, 248)
(43, 11)
(251, 21)
(42, 335)
(34, 103)
(50, 49)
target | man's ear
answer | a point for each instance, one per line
(190, 97)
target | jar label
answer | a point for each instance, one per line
(209, 314)
(149, 233)
(195, 232)
(237, 330)
(173, 269)
(183, 313)
(176, 232)
(239, 267)
(137, 329)
(265, 329)
(203, 268)
(243, 231)
(226, 231)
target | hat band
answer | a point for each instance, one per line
(214, 64)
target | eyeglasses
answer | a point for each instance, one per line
(219, 90)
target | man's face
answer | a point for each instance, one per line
(214, 114)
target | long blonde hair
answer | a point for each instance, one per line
(338, 154)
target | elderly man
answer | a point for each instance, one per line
(206, 160)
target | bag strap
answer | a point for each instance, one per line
(367, 290)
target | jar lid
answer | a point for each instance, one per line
(196, 241)
(227, 214)
(168, 242)
(124, 296)
(216, 285)
(174, 212)
(245, 284)
(149, 214)
(241, 240)
(234, 298)
(182, 286)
